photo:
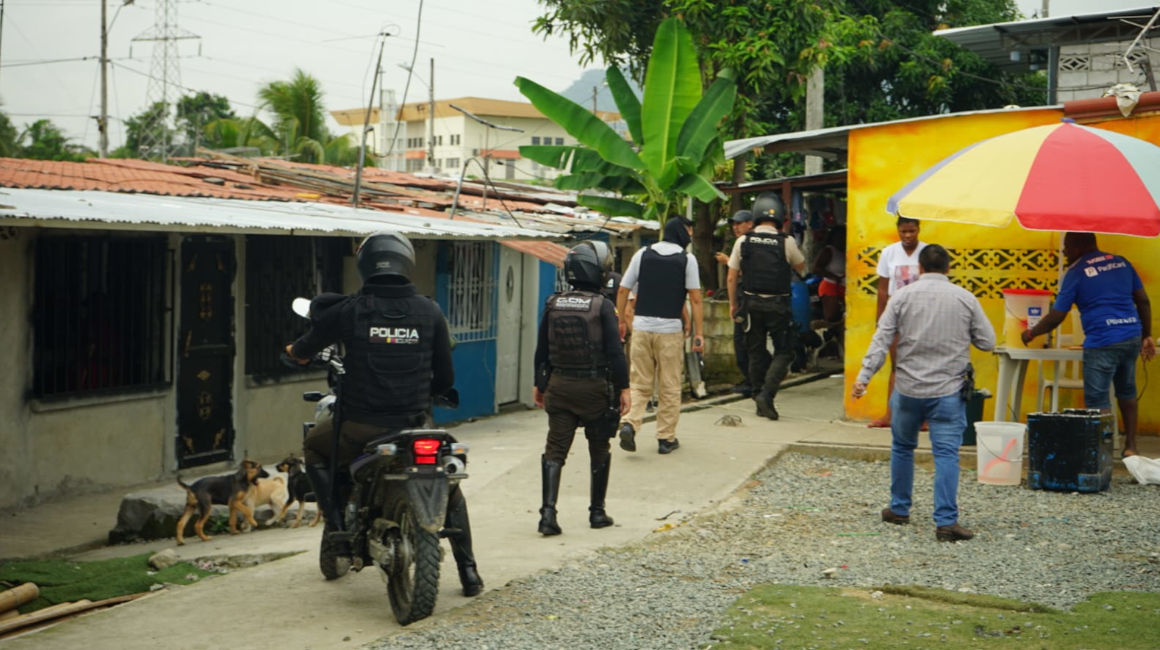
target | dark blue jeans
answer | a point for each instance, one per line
(947, 417)
(1111, 365)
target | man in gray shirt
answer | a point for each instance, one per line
(936, 323)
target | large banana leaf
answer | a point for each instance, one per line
(701, 126)
(556, 156)
(626, 101)
(580, 124)
(610, 206)
(672, 88)
(698, 187)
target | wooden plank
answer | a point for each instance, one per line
(18, 595)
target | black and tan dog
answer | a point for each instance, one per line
(227, 490)
(299, 488)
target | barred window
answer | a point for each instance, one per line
(471, 290)
(99, 315)
(280, 268)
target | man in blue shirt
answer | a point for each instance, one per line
(1117, 325)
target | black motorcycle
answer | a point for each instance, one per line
(398, 491)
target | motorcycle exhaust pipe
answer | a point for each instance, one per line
(453, 465)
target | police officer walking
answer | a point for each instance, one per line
(389, 381)
(581, 378)
(766, 258)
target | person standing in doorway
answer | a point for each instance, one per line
(742, 224)
(897, 267)
(662, 276)
(933, 323)
(581, 378)
(1117, 325)
(766, 258)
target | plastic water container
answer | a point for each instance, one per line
(999, 450)
(1024, 308)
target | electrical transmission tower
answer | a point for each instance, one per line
(164, 74)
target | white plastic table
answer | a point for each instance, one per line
(1013, 370)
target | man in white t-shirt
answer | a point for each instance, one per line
(897, 267)
(661, 276)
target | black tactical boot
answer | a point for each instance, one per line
(334, 552)
(459, 535)
(597, 518)
(550, 474)
(765, 405)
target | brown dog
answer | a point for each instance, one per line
(299, 488)
(268, 492)
(226, 489)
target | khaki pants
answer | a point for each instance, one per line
(659, 357)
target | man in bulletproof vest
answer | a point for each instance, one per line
(661, 275)
(397, 357)
(581, 378)
(766, 258)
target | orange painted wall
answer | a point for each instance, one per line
(882, 159)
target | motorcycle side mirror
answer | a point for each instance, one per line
(301, 306)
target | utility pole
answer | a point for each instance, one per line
(594, 89)
(103, 119)
(431, 117)
(1044, 9)
(1, 21)
(362, 150)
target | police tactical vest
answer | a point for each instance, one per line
(764, 265)
(575, 339)
(660, 289)
(389, 354)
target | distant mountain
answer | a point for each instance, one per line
(581, 90)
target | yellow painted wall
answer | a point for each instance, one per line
(882, 160)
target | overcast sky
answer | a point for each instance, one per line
(478, 47)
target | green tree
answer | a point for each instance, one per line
(195, 112)
(43, 140)
(238, 133)
(675, 127)
(9, 138)
(145, 133)
(299, 123)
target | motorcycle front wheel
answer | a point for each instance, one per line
(413, 574)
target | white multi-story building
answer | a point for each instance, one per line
(483, 134)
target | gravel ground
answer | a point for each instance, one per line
(797, 518)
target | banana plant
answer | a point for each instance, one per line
(675, 143)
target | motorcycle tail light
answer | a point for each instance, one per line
(426, 451)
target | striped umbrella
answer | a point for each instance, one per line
(1063, 177)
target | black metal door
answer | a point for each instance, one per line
(205, 352)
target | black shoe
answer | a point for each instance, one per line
(627, 437)
(667, 446)
(469, 578)
(598, 518)
(765, 406)
(548, 525)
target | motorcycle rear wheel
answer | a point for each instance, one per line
(413, 575)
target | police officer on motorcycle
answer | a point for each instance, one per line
(766, 258)
(397, 358)
(581, 378)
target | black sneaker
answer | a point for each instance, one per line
(627, 437)
(667, 446)
(765, 408)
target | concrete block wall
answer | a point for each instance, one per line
(1086, 71)
(720, 364)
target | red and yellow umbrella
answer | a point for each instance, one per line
(1063, 177)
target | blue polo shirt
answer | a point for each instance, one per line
(1100, 285)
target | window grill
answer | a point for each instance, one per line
(279, 269)
(99, 314)
(471, 291)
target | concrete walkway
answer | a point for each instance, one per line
(288, 604)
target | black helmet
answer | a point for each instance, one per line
(386, 254)
(587, 263)
(768, 207)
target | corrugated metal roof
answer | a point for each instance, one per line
(103, 210)
(996, 42)
(832, 142)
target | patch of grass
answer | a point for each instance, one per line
(63, 581)
(781, 616)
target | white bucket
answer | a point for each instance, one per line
(1024, 309)
(999, 449)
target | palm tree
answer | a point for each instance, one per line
(299, 116)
